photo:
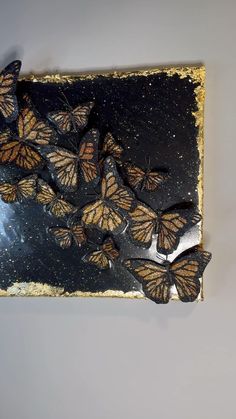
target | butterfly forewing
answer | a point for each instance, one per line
(153, 277)
(8, 101)
(110, 249)
(142, 225)
(81, 114)
(186, 272)
(62, 120)
(88, 156)
(152, 180)
(64, 165)
(172, 225)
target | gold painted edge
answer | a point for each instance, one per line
(197, 76)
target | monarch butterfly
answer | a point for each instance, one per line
(20, 149)
(110, 148)
(8, 100)
(157, 279)
(56, 205)
(148, 180)
(76, 118)
(169, 225)
(103, 257)
(64, 236)
(104, 213)
(23, 189)
(64, 163)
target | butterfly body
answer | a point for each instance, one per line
(169, 225)
(105, 256)
(106, 212)
(184, 272)
(8, 100)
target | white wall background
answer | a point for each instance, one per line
(103, 359)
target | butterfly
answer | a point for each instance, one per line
(104, 213)
(110, 148)
(184, 272)
(148, 180)
(21, 149)
(169, 225)
(64, 236)
(55, 204)
(23, 189)
(76, 118)
(8, 100)
(64, 164)
(103, 257)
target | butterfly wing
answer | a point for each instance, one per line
(26, 187)
(60, 208)
(64, 165)
(172, 225)
(153, 180)
(45, 194)
(142, 226)
(88, 156)
(81, 114)
(62, 120)
(33, 129)
(111, 148)
(135, 175)
(8, 100)
(98, 258)
(78, 233)
(186, 272)
(62, 236)
(113, 189)
(110, 249)
(153, 277)
(20, 154)
(8, 192)
(103, 217)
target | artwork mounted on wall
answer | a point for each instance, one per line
(101, 184)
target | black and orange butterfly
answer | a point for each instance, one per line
(157, 279)
(21, 149)
(8, 100)
(110, 147)
(25, 188)
(55, 203)
(65, 236)
(105, 256)
(106, 212)
(64, 164)
(71, 119)
(169, 225)
(149, 180)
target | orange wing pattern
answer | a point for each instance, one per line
(153, 277)
(142, 226)
(23, 189)
(149, 180)
(20, 150)
(105, 256)
(64, 236)
(8, 101)
(88, 156)
(55, 204)
(104, 212)
(74, 119)
(172, 225)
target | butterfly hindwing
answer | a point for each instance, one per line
(64, 166)
(8, 100)
(153, 277)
